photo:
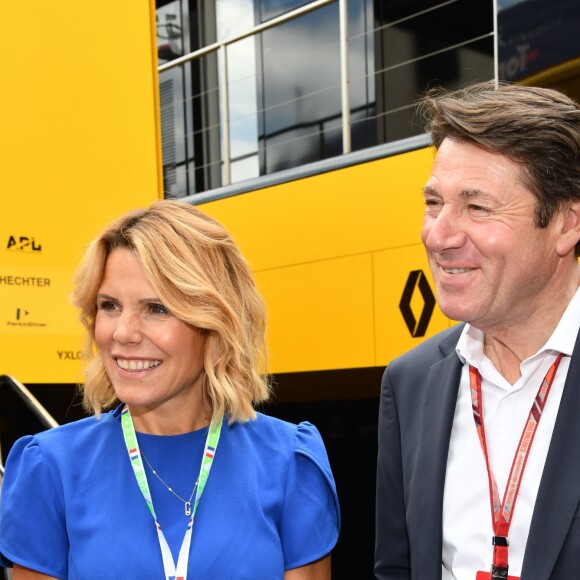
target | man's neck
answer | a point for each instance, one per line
(506, 347)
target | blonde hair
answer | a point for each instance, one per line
(202, 278)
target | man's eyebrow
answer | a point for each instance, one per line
(428, 190)
(477, 194)
(465, 193)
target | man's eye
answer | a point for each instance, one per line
(479, 208)
(433, 207)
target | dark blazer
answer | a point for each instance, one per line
(418, 398)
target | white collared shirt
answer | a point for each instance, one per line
(467, 520)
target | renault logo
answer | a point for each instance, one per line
(417, 325)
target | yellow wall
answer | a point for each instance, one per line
(332, 254)
(78, 146)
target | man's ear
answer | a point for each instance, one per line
(569, 234)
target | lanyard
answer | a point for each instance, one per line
(172, 572)
(502, 512)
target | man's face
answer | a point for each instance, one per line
(491, 265)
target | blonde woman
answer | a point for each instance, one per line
(175, 475)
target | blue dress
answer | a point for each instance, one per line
(71, 508)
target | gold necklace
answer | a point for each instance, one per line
(187, 503)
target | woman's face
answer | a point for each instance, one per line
(153, 360)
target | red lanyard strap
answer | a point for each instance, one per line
(502, 512)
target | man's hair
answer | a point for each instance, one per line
(200, 275)
(537, 128)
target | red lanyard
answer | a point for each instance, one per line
(502, 512)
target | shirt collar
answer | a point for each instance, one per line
(470, 345)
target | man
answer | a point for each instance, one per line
(493, 404)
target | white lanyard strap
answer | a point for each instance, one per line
(171, 571)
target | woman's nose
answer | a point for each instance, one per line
(128, 328)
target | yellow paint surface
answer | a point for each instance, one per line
(332, 254)
(79, 145)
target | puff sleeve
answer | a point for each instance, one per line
(311, 515)
(32, 522)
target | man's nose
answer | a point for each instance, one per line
(444, 231)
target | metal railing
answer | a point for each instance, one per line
(39, 412)
(219, 48)
(31, 403)
(29, 400)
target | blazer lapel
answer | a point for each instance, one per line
(559, 492)
(437, 410)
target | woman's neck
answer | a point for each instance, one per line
(168, 421)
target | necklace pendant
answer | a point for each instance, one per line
(187, 508)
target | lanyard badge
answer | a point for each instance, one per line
(172, 572)
(499, 575)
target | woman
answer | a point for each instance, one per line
(183, 478)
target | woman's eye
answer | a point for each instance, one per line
(158, 309)
(106, 305)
